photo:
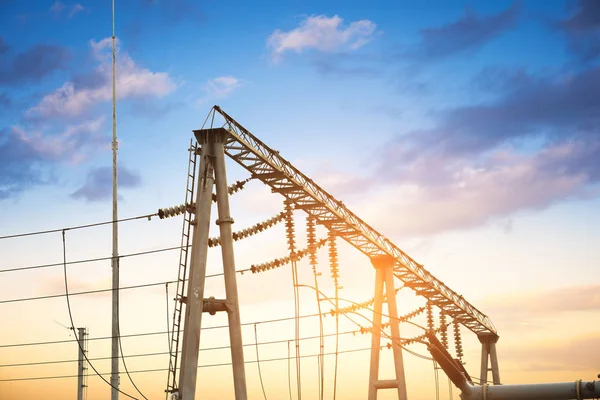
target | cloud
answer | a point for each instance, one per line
(98, 183)
(582, 29)
(547, 302)
(222, 86)
(57, 9)
(5, 101)
(218, 88)
(558, 355)
(28, 157)
(322, 34)
(538, 143)
(84, 92)
(33, 64)
(4, 47)
(470, 32)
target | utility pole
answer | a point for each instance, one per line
(81, 368)
(212, 162)
(114, 371)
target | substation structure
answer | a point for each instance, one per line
(206, 170)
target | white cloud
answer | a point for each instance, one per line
(58, 7)
(470, 196)
(323, 34)
(71, 99)
(75, 8)
(222, 86)
(71, 145)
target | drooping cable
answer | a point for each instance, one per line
(64, 241)
(436, 379)
(312, 249)
(334, 267)
(262, 385)
(291, 239)
(289, 368)
(125, 365)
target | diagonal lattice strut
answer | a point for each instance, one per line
(273, 170)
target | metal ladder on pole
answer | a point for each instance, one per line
(182, 274)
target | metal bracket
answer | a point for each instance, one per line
(212, 305)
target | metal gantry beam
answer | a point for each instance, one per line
(268, 166)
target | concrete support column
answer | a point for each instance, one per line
(376, 334)
(384, 275)
(197, 274)
(225, 221)
(488, 355)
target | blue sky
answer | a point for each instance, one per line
(466, 131)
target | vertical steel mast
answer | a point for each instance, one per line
(114, 375)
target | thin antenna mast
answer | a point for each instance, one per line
(114, 377)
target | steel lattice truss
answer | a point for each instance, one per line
(273, 170)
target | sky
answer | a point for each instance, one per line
(466, 132)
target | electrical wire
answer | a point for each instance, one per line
(53, 296)
(274, 320)
(436, 379)
(125, 365)
(89, 260)
(72, 228)
(73, 324)
(399, 344)
(163, 369)
(310, 232)
(271, 342)
(262, 385)
(288, 371)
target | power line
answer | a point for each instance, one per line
(52, 296)
(270, 342)
(200, 366)
(64, 245)
(89, 260)
(262, 385)
(149, 216)
(154, 333)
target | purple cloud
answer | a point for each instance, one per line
(470, 32)
(537, 144)
(33, 64)
(27, 158)
(583, 29)
(4, 47)
(98, 184)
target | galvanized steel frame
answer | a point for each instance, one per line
(273, 170)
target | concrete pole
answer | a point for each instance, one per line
(483, 373)
(80, 362)
(488, 354)
(376, 334)
(494, 362)
(395, 328)
(225, 221)
(197, 275)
